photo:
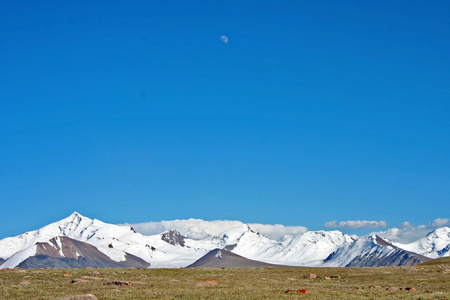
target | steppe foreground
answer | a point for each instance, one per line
(426, 281)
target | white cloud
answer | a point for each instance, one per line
(355, 224)
(408, 233)
(192, 228)
(406, 224)
(440, 222)
(224, 39)
(199, 229)
(278, 232)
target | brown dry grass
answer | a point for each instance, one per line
(431, 281)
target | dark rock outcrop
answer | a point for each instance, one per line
(230, 247)
(396, 258)
(444, 251)
(173, 237)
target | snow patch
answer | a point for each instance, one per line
(59, 243)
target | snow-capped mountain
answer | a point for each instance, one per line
(435, 244)
(371, 251)
(313, 247)
(64, 252)
(309, 249)
(112, 240)
(121, 246)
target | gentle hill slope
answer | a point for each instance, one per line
(219, 258)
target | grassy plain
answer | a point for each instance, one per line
(430, 281)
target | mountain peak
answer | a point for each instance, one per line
(440, 232)
(383, 242)
(74, 217)
(239, 231)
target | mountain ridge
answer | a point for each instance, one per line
(170, 249)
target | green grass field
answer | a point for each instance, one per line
(430, 281)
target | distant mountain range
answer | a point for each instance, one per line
(78, 241)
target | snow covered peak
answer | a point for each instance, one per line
(74, 226)
(443, 232)
(434, 245)
(347, 252)
(75, 215)
(234, 235)
(74, 218)
(330, 237)
(239, 236)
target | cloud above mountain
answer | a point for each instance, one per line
(408, 232)
(440, 222)
(199, 229)
(278, 232)
(356, 224)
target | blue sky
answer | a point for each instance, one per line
(312, 112)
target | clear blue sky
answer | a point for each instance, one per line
(313, 111)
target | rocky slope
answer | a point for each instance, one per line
(372, 251)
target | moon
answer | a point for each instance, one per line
(224, 39)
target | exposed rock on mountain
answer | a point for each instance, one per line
(372, 251)
(173, 237)
(64, 252)
(396, 257)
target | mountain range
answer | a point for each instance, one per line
(78, 241)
